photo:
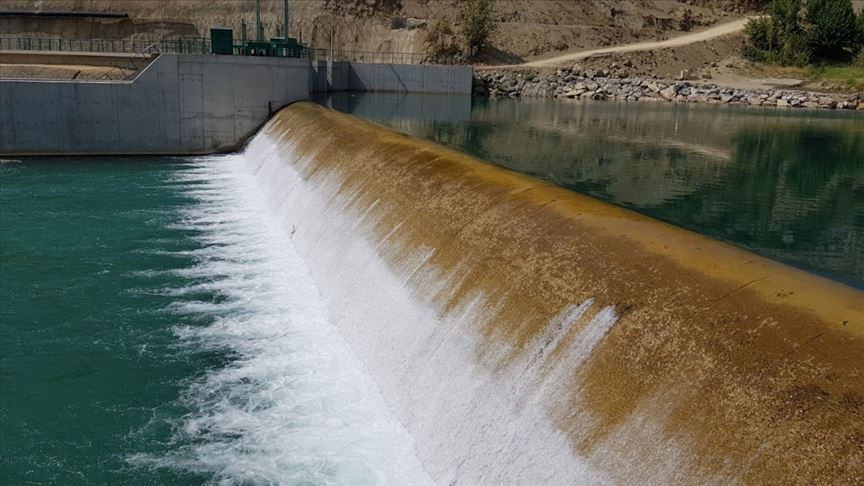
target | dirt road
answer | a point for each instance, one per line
(716, 31)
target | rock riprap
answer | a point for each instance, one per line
(589, 84)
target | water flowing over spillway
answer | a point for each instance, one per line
(342, 304)
(521, 333)
(294, 406)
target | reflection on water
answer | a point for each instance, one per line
(788, 185)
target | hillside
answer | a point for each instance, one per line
(527, 29)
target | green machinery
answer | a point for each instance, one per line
(222, 40)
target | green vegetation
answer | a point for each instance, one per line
(477, 25)
(796, 33)
(442, 47)
(834, 29)
(846, 78)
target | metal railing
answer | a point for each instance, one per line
(341, 55)
(194, 45)
(182, 45)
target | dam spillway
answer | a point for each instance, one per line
(522, 333)
(342, 304)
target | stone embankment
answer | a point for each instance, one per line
(589, 84)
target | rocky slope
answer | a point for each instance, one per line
(615, 83)
(527, 29)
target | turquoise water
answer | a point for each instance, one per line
(90, 365)
(786, 184)
(158, 327)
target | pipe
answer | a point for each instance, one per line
(259, 29)
(286, 20)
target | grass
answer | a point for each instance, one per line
(847, 78)
(850, 77)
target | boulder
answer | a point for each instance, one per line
(668, 93)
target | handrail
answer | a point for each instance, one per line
(135, 68)
(344, 55)
(181, 45)
(196, 45)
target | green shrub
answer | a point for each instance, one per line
(861, 30)
(794, 51)
(833, 32)
(760, 31)
(441, 45)
(829, 30)
(477, 24)
(786, 19)
(780, 37)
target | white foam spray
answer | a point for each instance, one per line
(295, 406)
(472, 424)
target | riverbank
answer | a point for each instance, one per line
(589, 84)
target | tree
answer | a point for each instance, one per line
(441, 44)
(477, 24)
(760, 32)
(833, 30)
(861, 30)
(786, 18)
(829, 30)
(779, 38)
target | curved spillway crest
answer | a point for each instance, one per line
(525, 334)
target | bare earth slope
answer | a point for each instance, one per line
(721, 30)
(527, 29)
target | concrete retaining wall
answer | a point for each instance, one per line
(405, 78)
(179, 104)
(329, 76)
(410, 78)
(189, 104)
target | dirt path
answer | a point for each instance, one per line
(716, 31)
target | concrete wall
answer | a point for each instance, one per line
(406, 78)
(189, 104)
(329, 76)
(410, 78)
(404, 110)
(179, 104)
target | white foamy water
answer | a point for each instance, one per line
(474, 422)
(295, 405)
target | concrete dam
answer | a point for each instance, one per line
(526, 334)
